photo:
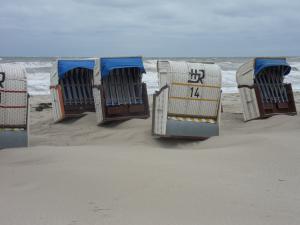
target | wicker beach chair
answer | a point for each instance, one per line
(71, 87)
(13, 107)
(188, 102)
(111, 87)
(263, 90)
(119, 92)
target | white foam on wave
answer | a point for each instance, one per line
(229, 81)
(150, 65)
(38, 83)
(294, 76)
(151, 79)
(33, 65)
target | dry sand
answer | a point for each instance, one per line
(79, 173)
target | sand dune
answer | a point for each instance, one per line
(79, 173)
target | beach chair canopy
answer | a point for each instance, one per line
(66, 65)
(256, 67)
(262, 64)
(109, 64)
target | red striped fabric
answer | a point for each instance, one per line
(12, 91)
(13, 106)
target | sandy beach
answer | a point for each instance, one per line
(78, 173)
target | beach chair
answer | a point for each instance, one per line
(72, 87)
(119, 92)
(188, 102)
(263, 90)
(14, 125)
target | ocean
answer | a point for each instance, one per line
(38, 71)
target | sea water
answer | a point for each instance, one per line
(38, 71)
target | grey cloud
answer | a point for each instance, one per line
(153, 28)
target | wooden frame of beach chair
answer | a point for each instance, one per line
(72, 88)
(262, 88)
(14, 110)
(188, 104)
(119, 91)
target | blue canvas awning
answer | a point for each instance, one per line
(108, 64)
(67, 65)
(261, 64)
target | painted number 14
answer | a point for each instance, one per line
(195, 92)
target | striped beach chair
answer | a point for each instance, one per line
(13, 107)
(188, 102)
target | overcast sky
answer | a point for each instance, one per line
(149, 28)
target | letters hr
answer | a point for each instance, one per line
(196, 76)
